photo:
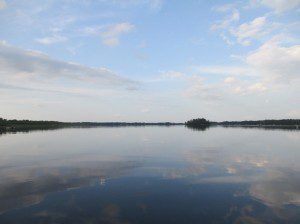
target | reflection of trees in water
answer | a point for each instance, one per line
(265, 127)
(199, 128)
(13, 126)
(284, 124)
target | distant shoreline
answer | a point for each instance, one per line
(28, 125)
(264, 126)
(11, 126)
(202, 124)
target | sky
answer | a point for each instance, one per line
(149, 60)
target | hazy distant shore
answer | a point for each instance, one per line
(27, 125)
(10, 126)
(265, 126)
(202, 124)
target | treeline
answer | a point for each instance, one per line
(262, 122)
(27, 125)
(198, 122)
(5, 122)
(201, 123)
(193, 122)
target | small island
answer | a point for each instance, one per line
(198, 124)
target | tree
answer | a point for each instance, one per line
(199, 122)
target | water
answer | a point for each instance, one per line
(150, 175)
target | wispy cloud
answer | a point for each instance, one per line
(244, 33)
(109, 34)
(154, 5)
(221, 70)
(172, 74)
(198, 89)
(279, 6)
(2, 4)
(232, 17)
(276, 62)
(252, 30)
(258, 29)
(51, 39)
(273, 65)
(27, 68)
(194, 85)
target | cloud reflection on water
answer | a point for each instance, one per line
(26, 186)
(256, 170)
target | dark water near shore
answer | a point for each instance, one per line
(150, 175)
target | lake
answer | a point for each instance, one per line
(150, 175)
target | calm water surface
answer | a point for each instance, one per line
(150, 175)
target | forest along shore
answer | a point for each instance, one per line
(28, 125)
(14, 125)
(201, 123)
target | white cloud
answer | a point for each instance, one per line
(198, 89)
(226, 39)
(252, 30)
(2, 4)
(224, 8)
(229, 80)
(32, 69)
(273, 66)
(173, 75)
(257, 87)
(111, 42)
(110, 36)
(242, 86)
(238, 90)
(222, 70)
(228, 20)
(195, 86)
(51, 39)
(276, 63)
(156, 4)
(145, 110)
(245, 33)
(294, 114)
(279, 6)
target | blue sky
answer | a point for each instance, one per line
(149, 60)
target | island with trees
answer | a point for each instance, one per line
(201, 123)
(198, 124)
